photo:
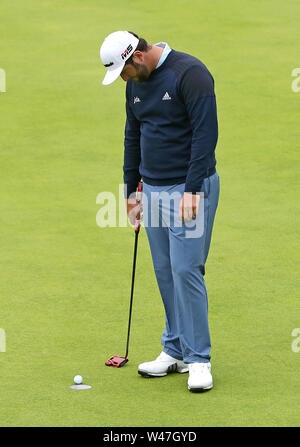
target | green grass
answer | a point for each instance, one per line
(65, 282)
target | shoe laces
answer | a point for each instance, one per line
(163, 356)
(199, 367)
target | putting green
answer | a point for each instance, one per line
(65, 282)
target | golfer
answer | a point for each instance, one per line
(170, 138)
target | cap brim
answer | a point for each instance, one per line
(112, 75)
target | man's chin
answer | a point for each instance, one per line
(143, 79)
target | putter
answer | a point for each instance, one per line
(117, 361)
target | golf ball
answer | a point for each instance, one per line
(78, 379)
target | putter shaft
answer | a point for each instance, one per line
(132, 286)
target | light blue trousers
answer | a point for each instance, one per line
(179, 251)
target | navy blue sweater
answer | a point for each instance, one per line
(171, 125)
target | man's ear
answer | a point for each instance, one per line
(138, 56)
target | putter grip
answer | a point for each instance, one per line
(138, 198)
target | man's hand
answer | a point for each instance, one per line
(133, 210)
(189, 205)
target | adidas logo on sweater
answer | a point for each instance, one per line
(166, 97)
(136, 99)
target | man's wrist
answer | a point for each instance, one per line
(129, 189)
(193, 188)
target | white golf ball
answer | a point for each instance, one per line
(78, 379)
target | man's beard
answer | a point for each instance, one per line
(142, 72)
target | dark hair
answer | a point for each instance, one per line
(143, 45)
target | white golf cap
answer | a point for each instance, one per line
(115, 50)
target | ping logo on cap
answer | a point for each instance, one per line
(127, 51)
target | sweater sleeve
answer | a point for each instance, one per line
(132, 150)
(196, 89)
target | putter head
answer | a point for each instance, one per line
(116, 361)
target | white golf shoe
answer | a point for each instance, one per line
(162, 365)
(200, 378)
